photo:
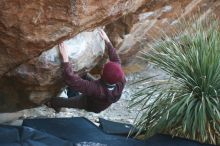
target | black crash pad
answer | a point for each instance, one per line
(79, 130)
(115, 128)
(26, 136)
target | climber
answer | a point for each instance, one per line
(95, 95)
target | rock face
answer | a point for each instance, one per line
(28, 74)
(133, 32)
(41, 77)
(31, 27)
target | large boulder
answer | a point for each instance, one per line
(32, 82)
(27, 28)
(29, 73)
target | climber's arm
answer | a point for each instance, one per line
(113, 56)
(73, 80)
(63, 52)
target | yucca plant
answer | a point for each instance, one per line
(187, 103)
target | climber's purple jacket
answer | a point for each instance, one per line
(97, 95)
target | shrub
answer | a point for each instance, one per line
(187, 104)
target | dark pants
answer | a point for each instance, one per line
(74, 100)
(71, 92)
(79, 102)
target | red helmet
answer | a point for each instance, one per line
(112, 73)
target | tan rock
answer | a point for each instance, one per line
(41, 77)
(133, 32)
(27, 28)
